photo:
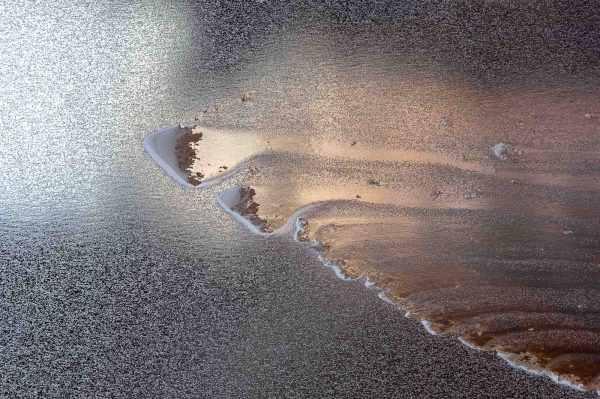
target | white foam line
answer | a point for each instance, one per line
(468, 344)
(315, 245)
(336, 269)
(545, 373)
(227, 200)
(292, 222)
(384, 298)
(427, 326)
(369, 283)
(503, 355)
(538, 372)
(300, 226)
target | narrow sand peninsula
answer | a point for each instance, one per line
(160, 146)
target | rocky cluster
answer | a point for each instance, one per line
(186, 154)
(247, 207)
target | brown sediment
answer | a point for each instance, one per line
(194, 181)
(186, 154)
(584, 366)
(247, 207)
(303, 234)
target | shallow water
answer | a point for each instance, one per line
(117, 282)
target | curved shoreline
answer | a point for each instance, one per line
(506, 356)
(160, 146)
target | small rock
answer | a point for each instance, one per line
(193, 181)
(223, 167)
(515, 181)
(247, 97)
(470, 195)
(358, 196)
(500, 150)
(435, 194)
(353, 143)
(588, 116)
(372, 182)
(567, 232)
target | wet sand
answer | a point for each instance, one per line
(483, 222)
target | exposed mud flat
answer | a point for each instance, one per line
(475, 207)
(118, 283)
(498, 244)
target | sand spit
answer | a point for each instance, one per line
(200, 153)
(231, 200)
(349, 244)
(160, 145)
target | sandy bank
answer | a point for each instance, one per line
(160, 145)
